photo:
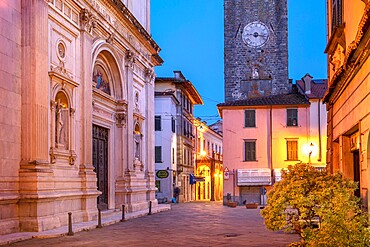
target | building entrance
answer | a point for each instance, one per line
(100, 163)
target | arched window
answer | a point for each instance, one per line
(100, 77)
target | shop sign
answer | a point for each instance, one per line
(162, 174)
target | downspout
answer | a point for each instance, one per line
(319, 123)
(271, 140)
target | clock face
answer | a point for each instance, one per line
(255, 34)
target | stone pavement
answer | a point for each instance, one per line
(108, 218)
(187, 224)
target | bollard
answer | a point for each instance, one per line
(123, 213)
(99, 219)
(70, 232)
(150, 208)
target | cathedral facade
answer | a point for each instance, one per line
(77, 93)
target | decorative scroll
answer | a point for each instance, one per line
(88, 21)
(130, 59)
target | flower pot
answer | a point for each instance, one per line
(251, 205)
(232, 204)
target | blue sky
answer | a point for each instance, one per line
(190, 34)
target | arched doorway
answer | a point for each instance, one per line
(106, 96)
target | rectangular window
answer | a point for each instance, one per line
(158, 154)
(173, 125)
(158, 185)
(157, 124)
(336, 13)
(292, 117)
(292, 149)
(249, 118)
(250, 150)
(173, 156)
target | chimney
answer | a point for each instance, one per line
(307, 79)
(179, 76)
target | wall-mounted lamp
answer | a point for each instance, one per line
(310, 149)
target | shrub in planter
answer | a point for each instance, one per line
(318, 206)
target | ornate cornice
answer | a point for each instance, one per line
(131, 18)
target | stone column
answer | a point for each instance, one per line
(88, 176)
(35, 175)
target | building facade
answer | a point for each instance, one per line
(272, 133)
(208, 174)
(166, 105)
(77, 90)
(180, 157)
(347, 97)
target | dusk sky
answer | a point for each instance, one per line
(190, 34)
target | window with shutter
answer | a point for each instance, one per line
(249, 150)
(249, 118)
(292, 149)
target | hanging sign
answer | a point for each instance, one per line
(162, 174)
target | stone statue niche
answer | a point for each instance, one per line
(61, 121)
(138, 165)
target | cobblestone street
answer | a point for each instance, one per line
(187, 224)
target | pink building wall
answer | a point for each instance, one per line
(235, 133)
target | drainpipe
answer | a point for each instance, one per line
(319, 123)
(271, 139)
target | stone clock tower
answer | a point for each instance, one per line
(256, 48)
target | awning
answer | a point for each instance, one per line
(254, 177)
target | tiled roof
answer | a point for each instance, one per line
(318, 88)
(280, 99)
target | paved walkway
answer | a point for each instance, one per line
(187, 224)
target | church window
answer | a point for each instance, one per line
(100, 77)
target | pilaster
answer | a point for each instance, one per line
(86, 169)
(129, 63)
(35, 175)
